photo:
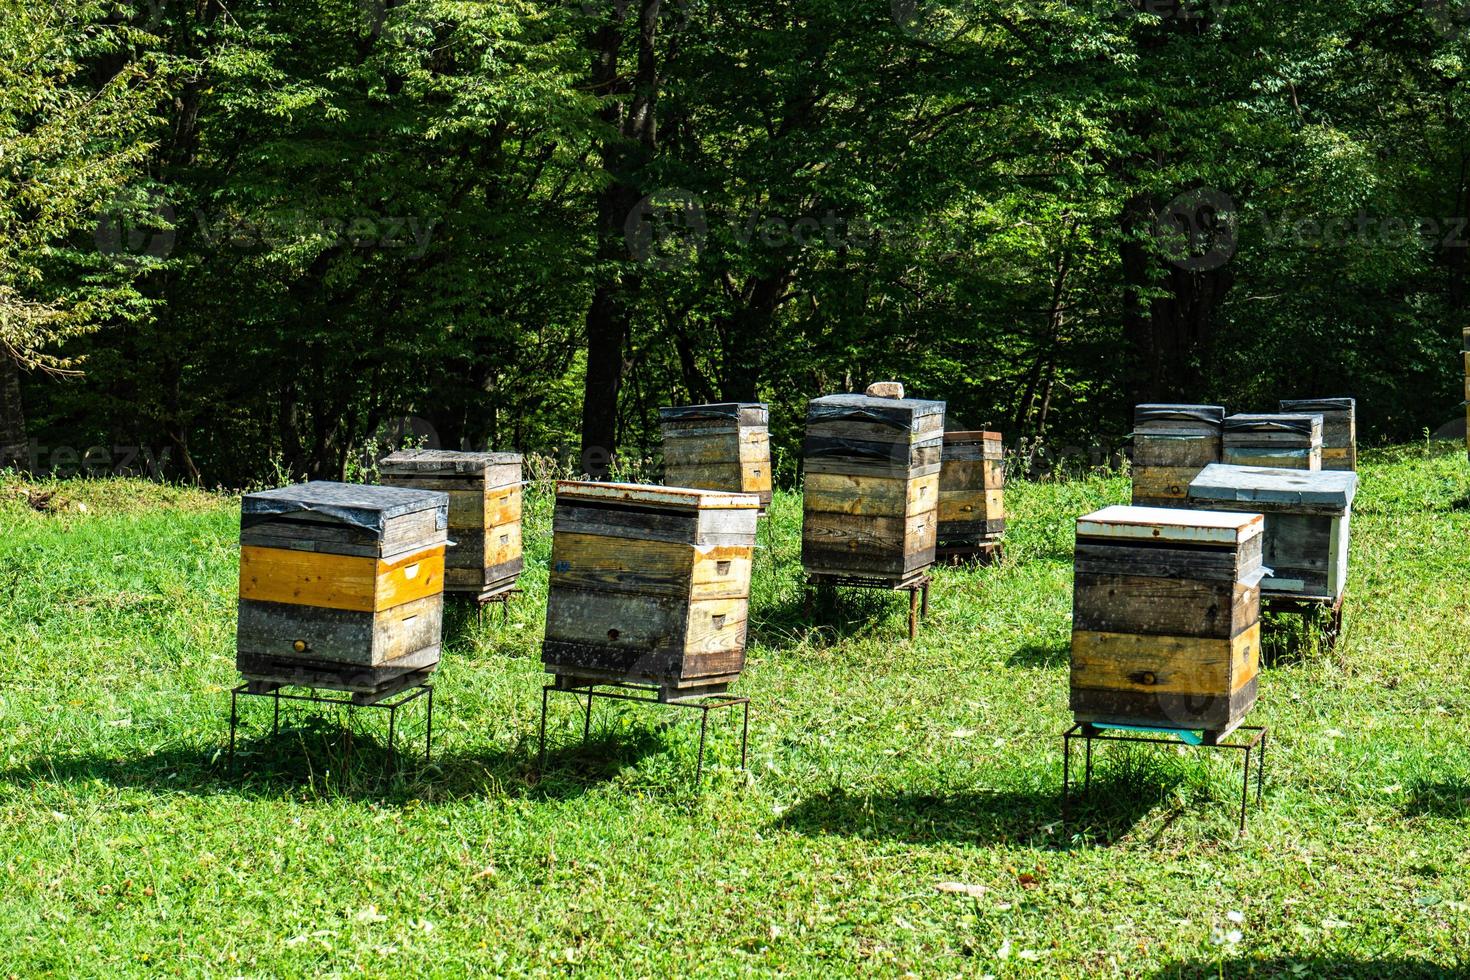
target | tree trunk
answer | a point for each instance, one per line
(609, 314)
(15, 450)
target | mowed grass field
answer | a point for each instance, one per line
(883, 776)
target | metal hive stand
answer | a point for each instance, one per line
(411, 686)
(1091, 732)
(703, 701)
(916, 585)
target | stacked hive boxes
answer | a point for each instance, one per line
(1292, 442)
(872, 487)
(341, 586)
(649, 585)
(1339, 429)
(1171, 444)
(718, 447)
(1166, 618)
(971, 494)
(484, 512)
(1308, 522)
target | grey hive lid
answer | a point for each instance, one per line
(720, 412)
(447, 460)
(1257, 484)
(1212, 414)
(1313, 406)
(1277, 422)
(864, 408)
(369, 508)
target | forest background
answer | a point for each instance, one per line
(244, 239)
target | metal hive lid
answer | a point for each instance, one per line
(718, 412)
(448, 460)
(1210, 414)
(899, 412)
(366, 507)
(1256, 484)
(649, 495)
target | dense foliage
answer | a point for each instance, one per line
(528, 224)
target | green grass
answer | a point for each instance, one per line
(879, 770)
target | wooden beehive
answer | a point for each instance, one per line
(1171, 444)
(1308, 522)
(718, 447)
(649, 585)
(1288, 442)
(1339, 428)
(871, 498)
(971, 492)
(1166, 618)
(484, 491)
(1465, 355)
(341, 586)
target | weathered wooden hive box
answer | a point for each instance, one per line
(971, 491)
(871, 498)
(1283, 441)
(1166, 618)
(649, 585)
(1171, 444)
(484, 491)
(1339, 428)
(718, 447)
(1308, 522)
(341, 586)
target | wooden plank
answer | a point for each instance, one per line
(1162, 482)
(1143, 604)
(640, 494)
(339, 581)
(1193, 527)
(1187, 711)
(338, 636)
(1194, 452)
(631, 623)
(716, 626)
(1285, 458)
(1143, 558)
(671, 670)
(625, 565)
(1182, 665)
(961, 506)
(721, 573)
(841, 493)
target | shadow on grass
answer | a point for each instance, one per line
(1291, 638)
(325, 760)
(1441, 799)
(838, 614)
(1041, 654)
(1309, 968)
(1110, 812)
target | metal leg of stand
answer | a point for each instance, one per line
(429, 726)
(913, 614)
(1245, 789)
(541, 755)
(1066, 776)
(1087, 781)
(924, 608)
(234, 722)
(587, 720)
(392, 730)
(276, 719)
(745, 738)
(703, 730)
(1261, 768)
